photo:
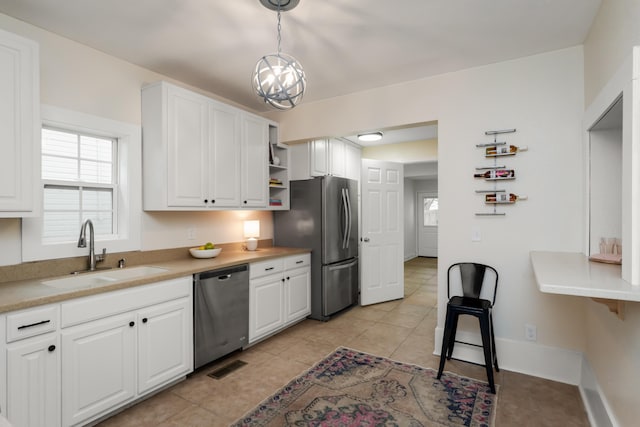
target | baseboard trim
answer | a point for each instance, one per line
(598, 408)
(551, 363)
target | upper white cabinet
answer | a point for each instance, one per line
(320, 157)
(19, 126)
(255, 172)
(201, 154)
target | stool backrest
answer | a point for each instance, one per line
(472, 279)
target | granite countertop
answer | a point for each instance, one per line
(17, 295)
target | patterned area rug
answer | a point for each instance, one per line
(350, 388)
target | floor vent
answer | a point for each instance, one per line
(227, 369)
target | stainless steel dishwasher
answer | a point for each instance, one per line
(221, 313)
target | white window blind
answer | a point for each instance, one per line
(78, 174)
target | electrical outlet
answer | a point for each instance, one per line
(530, 332)
(191, 233)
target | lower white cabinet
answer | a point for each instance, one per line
(33, 381)
(32, 367)
(165, 343)
(98, 361)
(72, 363)
(279, 294)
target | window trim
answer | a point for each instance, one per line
(129, 194)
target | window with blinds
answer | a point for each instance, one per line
(79, 177)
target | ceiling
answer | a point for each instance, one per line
(345, 46)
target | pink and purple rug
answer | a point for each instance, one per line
(351, 388)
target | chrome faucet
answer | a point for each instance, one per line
(82, 243)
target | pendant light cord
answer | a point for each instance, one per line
(279, 28)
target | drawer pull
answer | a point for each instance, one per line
(34, 324)
(268, 269)
(299, 262)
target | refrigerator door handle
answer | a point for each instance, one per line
(345, 226)
(348, 198)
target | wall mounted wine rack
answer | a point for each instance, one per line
(495, 173)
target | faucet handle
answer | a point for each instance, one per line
(102, 256)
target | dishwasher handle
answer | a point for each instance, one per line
(223, 273)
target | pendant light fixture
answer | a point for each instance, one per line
(279, 78)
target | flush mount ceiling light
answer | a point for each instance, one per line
(370, 136)
(279, 78)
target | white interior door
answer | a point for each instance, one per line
(427, 205)
(382, 246)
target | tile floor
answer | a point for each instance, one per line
(402, 330)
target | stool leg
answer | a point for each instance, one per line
(493, 344)
(452, 336)
(486, 345)
(445, 341)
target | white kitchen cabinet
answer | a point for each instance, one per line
(19, 126)
(165, 349)
(200, 153)
(321, 157)
(297, 289)
(98, 361)
(119, 346)
(33, 381)
(255, 161)
(224, 156)
(33, 367)
(279, 294)
(337, 158)
(353, 161)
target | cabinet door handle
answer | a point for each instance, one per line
(245, 202)
(269, 268)
(213, 201)
(34, 324)
(132, 324)
(145, 320)
(283, 280)
(206, 200)
(288, 278)
(299, 262)
(51, 348)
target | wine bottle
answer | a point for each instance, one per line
(503, 150)
(502, 198)
(495, 174)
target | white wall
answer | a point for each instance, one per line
(542, 97)
(613, 345)
(79, 78)
(410, 241)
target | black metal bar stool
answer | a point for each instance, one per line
(472, 277)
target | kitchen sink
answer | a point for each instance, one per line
(101, 278)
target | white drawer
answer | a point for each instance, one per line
(297, 261)
(265, 268)
(32, 321)
(85, 309)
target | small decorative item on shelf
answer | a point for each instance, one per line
(499, 198)
(496, 174)
(275, 182)
(610, 251)
(275, 202)
(503, 150)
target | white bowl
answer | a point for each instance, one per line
(204, 253)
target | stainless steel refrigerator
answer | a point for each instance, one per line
(324, 218)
